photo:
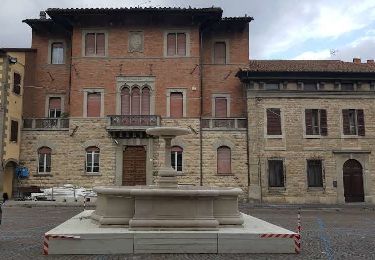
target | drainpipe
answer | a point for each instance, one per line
(201, 105)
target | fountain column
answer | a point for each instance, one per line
(167, 175)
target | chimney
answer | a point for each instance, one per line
(370, 61)
(357, 60)
(43, 15)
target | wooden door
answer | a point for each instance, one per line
(134, 166)
(353, 181)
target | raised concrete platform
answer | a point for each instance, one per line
(89, 238)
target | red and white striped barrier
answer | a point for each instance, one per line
(48, 237)
(277, 235)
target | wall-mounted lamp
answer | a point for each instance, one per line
(12, 60)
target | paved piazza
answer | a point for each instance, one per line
(333, 233)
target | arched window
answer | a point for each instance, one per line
(176, 158)
(92, 159)
(145, 101)
(224, 160)
(125, 101)
(44, 160)
(136, 101)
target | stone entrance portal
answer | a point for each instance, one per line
(134, 166)
(353, 181)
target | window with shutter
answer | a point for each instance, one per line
(125, 101)
(323, 122)
(54, 107)
(17, 83)
(361, 122)
(92, 159)
(221, 107)
(100, 44)
(13, 131)
(176, 105)
(315, 173)
(57, 53)
(176, 44)
(93, 104)
(145, 101)
(176, 158)
(90, 44)
(353, 122)
(316, 122)
(220, 53)
(95, 44)
(44, 160)
(171, 44)
(136, 101)
(274, 121)
(223, 160)
(275, 173)
(181, 44)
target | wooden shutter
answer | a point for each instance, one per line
(361, 122)
(220, 107)
(308, 121)
(323, 122)
(13, 131)
(145, 101)
(223, 160)
(93, 104)
(219, 53)
(90, 44)
(125, 101)
(171, 44)
(136, 101)
(176, 105)
(345, 121)
(100, 44)
(17, 83)
(273, 121)
(55, 103)
(181, 44)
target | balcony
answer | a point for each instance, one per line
(224, 123)
(129, 126)
(46, 124)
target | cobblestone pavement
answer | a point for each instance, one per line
(344, 233)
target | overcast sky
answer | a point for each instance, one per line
(282, 29)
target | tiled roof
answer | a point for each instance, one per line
(307, 66)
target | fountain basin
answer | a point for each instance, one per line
(151, 207)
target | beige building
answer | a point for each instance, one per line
(311, 131)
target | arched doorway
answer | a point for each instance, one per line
(353, 181)
(9, 179)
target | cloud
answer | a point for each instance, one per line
(314, 55)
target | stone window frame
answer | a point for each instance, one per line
(323, 174)
(86, 91)
(184, 100)
(357, 136)
(133, 81)
(37, 161)
(276, 189)
(85, 31)
(282, 136)
(12, 72)
(213, 108)
(227, 52)
(228, 143)
(165, 42)
(56, 40)
(305, 136)
(141, 32)
(46, 105)
(85, 170)
(18, 130)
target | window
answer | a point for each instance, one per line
(93, 104)
(275, 173)
(176, 158)
(347, 86)
(316, 122)
(176, 44)
(57, 53)
(353, 122)
(221, 107)
(314, 173)
(13, 131)
(54, 107)
(220, 53)
(274, 121)
(310, 86)
(224, 160)
(44, 160)
(95, 44)
(92, 159)
(145, 101)
(17, 83)
(272, 86)
(136, 101)
(176, 104)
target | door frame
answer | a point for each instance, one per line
(122, 143)
(350, 173)
(145, 150)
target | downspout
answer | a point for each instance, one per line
(201, 105)
(247, 142)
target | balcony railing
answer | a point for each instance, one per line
(46, 124)
(224, 123)
(133, 121)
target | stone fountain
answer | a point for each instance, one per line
(166, 218)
